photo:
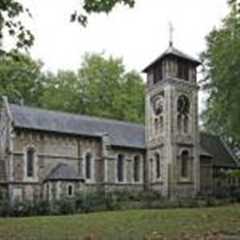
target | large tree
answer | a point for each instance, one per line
(20, 78)
(12, 10)
(102, 87)
(61, 91)
(222, 77)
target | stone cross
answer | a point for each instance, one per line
(171, 30)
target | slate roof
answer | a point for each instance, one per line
(121, 134)
(175, 52)
(221, 155)
(63, 172)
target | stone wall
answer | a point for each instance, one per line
(52, 149)
(56, 190)
(5, 142)
(111, 183)
(170, 142)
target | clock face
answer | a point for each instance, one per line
(183, 105)
(158, 105)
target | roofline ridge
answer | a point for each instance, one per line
(79, 115)
(167, 52)
(230, 151)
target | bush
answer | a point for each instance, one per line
(22, 209)
(89, 202)
(111, 202)
(42, 207)
(64, 206)
(5, 208)
(100, 201)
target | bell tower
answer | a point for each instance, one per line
(172, 134)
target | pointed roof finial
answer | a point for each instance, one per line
(171, 29)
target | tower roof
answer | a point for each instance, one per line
(174, 52)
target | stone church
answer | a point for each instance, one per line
(49, 155)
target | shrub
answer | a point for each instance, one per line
(64, 206)
(42, 207)
(5, 208)
(98, 201)
(111, 202)
(22, 209)
(89, 202)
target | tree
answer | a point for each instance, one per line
(61, 92)
(222, 74)
(97, 6)
(11, 10)
(101, 88)
(20, 78)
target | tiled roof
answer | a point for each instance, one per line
(221, 155)
(121, 134)
(63, 172)
(175, 52)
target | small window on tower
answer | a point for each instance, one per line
(156, 125)
(158, 165)
(179, 123)
(186, 121)
(184, 164)
(158, 73)
(161, 123)
(183, 70)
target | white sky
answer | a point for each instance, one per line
(137, 35)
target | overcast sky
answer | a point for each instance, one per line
(137, 35)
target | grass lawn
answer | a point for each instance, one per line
(124, 225)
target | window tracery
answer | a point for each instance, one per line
(183, 109)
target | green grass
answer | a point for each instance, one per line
(124, 225)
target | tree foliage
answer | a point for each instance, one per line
(222, 77)
(101, 87)
(97, 6)
(61, 92)
(12, 10)
(20, 78)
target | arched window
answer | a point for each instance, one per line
(136, 169)
(158, 165)
(183, 105)
(30, 162)
(88, 166)
(179, 123)
(120, 168)
(70, 190)
(161, 123)
(184, 164)
(185, 124)
(156, 125)
(183, 108)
